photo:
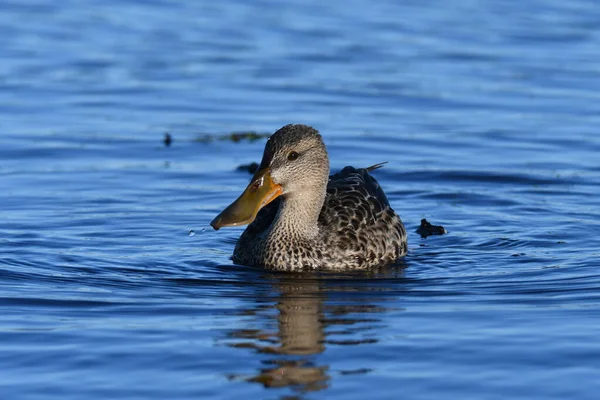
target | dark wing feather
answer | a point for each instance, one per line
(353, 195)
(357, 218)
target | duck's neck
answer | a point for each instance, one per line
(298, 215)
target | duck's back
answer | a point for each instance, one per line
(357, 224)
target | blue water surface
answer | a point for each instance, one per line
(114, 286)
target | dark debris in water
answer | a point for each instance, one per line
(427, 229)
(235, 137)
(168, 139)
(251, 168)
(356, 371)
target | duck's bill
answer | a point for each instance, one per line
(260, 192)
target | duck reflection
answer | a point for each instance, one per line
(305, 324)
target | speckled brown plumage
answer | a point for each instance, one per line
(343, 223)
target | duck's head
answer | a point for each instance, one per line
(294, 163)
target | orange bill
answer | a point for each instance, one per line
(260, 192)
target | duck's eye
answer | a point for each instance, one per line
(293, 155)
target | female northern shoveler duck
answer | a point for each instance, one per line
(302, 218)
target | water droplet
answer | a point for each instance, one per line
(191, 232)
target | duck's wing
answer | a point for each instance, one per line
(357, 216)
(353, 197)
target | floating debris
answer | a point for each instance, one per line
(426, 229)
(251, 136)
(168, 139)
(251, 168)
(235, 137)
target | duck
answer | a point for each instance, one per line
(301, 218)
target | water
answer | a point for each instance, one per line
(113, 285)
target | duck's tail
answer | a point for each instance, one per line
(376, 166)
